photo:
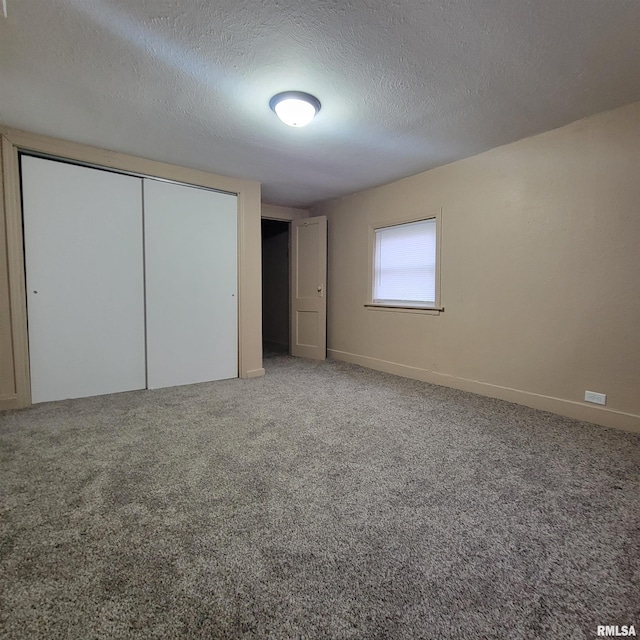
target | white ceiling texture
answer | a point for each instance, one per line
(405, 85)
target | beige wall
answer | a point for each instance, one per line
(540, 272)
(14, 383)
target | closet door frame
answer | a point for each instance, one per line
(16, 392)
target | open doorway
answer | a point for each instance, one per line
(275, 287)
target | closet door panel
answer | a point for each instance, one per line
(84, 270)
(191, 284)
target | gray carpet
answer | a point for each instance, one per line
(321, 501)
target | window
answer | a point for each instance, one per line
(405, 265)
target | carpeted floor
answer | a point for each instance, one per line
(321, 501)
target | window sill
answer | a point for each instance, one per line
(429, 311)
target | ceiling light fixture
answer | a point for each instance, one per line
(295, 108)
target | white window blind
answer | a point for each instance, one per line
(405, 264)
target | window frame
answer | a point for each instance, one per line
(434, 309)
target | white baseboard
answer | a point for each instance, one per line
(254, 373)
(598, 415)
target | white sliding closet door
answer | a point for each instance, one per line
(84, 269)
(191, 284)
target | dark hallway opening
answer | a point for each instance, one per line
(275, 287)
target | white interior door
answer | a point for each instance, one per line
(309, 285)
(84, 270)
(191, 284)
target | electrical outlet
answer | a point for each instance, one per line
(595, 397)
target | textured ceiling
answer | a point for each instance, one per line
(405, 85)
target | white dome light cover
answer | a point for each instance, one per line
(295, 108)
